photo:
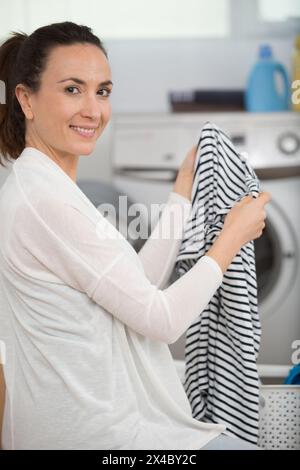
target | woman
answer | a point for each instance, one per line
(84, 318)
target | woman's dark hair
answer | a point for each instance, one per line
(22, 60)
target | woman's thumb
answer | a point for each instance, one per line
(264, 197)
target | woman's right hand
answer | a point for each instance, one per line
(246, 219)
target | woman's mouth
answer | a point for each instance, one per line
(84, 131)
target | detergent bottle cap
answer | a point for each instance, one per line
(265, 52)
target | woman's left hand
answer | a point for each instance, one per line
(184, 180)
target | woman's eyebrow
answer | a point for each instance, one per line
(82, 82)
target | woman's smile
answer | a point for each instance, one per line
(86, 132)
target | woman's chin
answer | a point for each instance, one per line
(85, 149)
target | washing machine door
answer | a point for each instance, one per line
(276, 260)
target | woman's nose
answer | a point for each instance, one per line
(91, 107)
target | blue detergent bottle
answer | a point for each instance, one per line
(293, 377)
(262, 92)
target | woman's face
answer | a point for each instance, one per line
(72, 107)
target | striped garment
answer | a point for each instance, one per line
(222, 344)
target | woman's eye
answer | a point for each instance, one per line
(73, 90)
(70, 89)
(105, 92)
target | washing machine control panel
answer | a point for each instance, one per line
(273, 142)
(153, 142)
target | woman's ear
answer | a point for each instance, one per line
(24, 98)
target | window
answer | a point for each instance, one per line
(265, 18)
(158, 19)
(123, 19)
(279, 11)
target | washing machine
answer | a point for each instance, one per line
(113, 204)
(146, 153)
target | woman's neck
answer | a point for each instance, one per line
(67, 162)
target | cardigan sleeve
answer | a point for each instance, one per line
(56, 239)
(158, 255)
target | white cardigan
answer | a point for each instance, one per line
(86, 324)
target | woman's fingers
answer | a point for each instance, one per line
(189, 161)
(263, 198)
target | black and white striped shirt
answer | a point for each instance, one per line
(222, 344)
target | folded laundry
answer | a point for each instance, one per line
(222, 344)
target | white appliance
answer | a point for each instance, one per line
(146, 153)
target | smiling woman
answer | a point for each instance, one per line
(85, 319)
(59, 86)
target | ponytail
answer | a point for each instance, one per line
(12, 119)
(22, 60)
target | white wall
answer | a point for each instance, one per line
(144, 71)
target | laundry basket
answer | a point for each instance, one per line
(279, 412)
